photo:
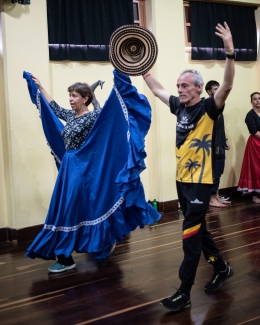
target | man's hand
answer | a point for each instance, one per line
(227, 146)
(224, 33)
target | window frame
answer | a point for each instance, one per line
(141, 13)
(186, 26)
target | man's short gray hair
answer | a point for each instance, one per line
(198, 80)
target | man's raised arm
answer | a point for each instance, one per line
(156, 88)
(229, 72)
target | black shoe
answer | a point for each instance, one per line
(224, 197)
(176, 302)
(218, 278)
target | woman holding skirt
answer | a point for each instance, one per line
(250, 173)
(98, 197)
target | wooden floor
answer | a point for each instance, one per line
(126, 289)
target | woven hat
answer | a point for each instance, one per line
(133, 50)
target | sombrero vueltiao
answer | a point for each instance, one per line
(133, 50)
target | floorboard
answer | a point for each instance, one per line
(127, 287)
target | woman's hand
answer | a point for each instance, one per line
(45, 94)
(37, 81)
(257, 134)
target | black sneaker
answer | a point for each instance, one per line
(224, 197)
(176, 302)
(218, 278)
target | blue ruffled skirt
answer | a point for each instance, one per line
(98, 196)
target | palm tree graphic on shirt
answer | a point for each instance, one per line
(192, 166)
(205, 145)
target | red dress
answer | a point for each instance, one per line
(250, 172)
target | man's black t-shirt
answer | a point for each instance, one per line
(194, 134)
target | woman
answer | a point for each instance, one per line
(250, 173)
(98, 197)
(79, 123)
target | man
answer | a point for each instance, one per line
(195, 121)
(220, 145)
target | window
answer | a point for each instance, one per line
(187, 25)
(74, 33)
(139, 12)
(81, 30)
(204, 17)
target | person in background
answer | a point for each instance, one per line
(249, 180)
(220, 145)
(194, 174)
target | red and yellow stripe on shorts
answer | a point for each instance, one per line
(191, 231)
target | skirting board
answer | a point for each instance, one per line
(29, 233)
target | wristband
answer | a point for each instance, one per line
(230, 56)
(146, 75)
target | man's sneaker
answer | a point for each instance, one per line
(224, 197)
(218, 278)
(176, 302)
(57, 267)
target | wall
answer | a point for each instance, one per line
(26, 165)
(29, 171)
(5, 209)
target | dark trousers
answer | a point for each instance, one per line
(194, 202)
(65, 260)
(219, 165)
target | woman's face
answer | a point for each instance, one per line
(256, 101)
(76, 100)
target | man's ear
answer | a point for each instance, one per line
(209, 92)
(200, 88)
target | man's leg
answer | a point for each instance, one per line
(219, 164)
(222, 271)
(194, 201)
(197, 199)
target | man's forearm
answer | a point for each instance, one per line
(229, 73)
(156, 88)
(153, 84)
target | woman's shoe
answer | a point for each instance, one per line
(57, 267)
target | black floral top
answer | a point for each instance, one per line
(77, 129)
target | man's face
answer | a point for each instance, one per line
(212, 91)
(189, 94)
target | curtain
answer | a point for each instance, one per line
(208, 46)
(80, 30)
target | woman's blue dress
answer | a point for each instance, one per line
(98, 197)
